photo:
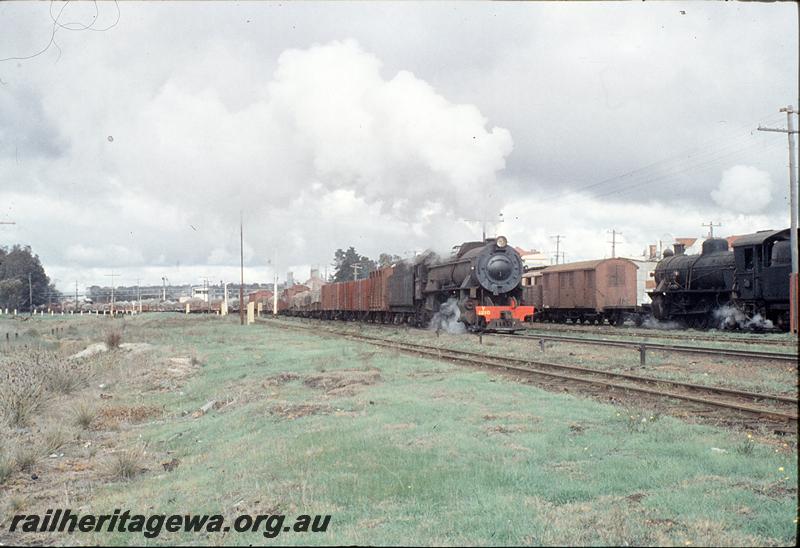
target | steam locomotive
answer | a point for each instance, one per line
(722, 287)
(478, 286)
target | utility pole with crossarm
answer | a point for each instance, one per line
(791, 131)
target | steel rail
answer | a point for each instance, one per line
(606, 330)
(481, 360)
(749, 354)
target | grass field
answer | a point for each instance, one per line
(397, 449)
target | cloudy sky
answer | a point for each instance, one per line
(132, 135)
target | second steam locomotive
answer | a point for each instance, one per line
(722, 287)
(479, 286)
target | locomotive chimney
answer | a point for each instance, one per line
(679, 248)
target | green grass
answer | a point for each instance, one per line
(431, 453)
(756, 376)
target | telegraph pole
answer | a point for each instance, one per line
(613, 242)
(112, 291)
(30, 293)
(139, 295)
(241, 267)
(76, 295)
(791, 131)
(275, 284)
(558, 238)
(711, 226)
(356, 267)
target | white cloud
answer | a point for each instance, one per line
(743, 189)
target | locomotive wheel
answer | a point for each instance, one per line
(702, 321)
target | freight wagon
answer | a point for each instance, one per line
(584, 292)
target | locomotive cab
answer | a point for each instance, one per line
(763, 264)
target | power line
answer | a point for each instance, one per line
(682, 160)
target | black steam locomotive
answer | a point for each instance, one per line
(746, 286)
(483, 278)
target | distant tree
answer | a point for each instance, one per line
(15, 266)
(343, 262)
(388, 259)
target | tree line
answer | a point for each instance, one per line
(16, 288)
(350, 265)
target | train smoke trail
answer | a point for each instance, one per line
(729, 317)
(651, 323)
(447, 318)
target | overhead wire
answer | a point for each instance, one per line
(679, 163)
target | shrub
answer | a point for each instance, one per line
(637, 422)
(65, 376)
(746, 446)
(6, 468)
(113, 339)
(26, 456)
(84, 414)
(126, 464)
(21, 390)
(54, 439)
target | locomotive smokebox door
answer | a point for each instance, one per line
(499, 269)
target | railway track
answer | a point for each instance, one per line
(729, 352)
(779, 412)
(661, 334)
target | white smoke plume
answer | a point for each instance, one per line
(730, 317)
(744, 189)
(447, 318)
(651, 322)
(325, 121)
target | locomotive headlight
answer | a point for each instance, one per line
(501, 241)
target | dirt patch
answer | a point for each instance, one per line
(505, 428)
(343, 382)
(635, 497)
(280, 379)
(296, 411)
(136, 348)
(90, 350)
(166, 376)
(99, 348)
(514, 415)
(400, 426)
(662, 523)
(181, 366)
(774, 490)
(111, 417)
